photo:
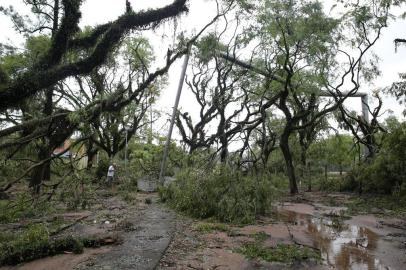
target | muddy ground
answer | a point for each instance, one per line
(154, 237)
(357, 242)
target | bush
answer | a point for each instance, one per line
(102, 167)
(78, 192)
(222, 194)
(23, 207)
(26, 246)
(146, 158)
(386, 173)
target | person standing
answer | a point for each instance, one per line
(110, 174)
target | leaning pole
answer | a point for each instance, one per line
(175, 109)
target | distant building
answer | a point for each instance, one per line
(62, 148)
(76, 153)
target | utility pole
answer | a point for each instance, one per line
(175, 109)
(126, 152)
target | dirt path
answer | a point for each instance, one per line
(144, 246)
(146, 229)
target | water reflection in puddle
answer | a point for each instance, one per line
(343, 246)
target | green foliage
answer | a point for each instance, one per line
(336, 151)
(211, 227)
(281, 253)
(206, 47)
(299, 22)
(35, 48)
(386, 205)
(26, 246)
(222, 193)
(35, 243)
(102, 167)
(8, 170)
(386, 173)
(78, 191)
(260, 236)
(146, 158)
(127, 189)
(23, 207)
(139, 52)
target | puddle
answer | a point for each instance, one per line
(343, 245)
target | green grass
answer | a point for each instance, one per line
(211, 227)
(394, 206)
(260, 236)
(281, 253)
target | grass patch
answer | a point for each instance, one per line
(260, 236)
(394, 206)
(212, 227)
(281, 253)
(127, 190)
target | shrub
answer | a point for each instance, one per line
(23, 207)
(102, 167)
(27, 245)
(78, 191)
(223, 194)
(386, 173)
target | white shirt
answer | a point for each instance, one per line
(110, 172)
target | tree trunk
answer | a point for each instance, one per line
(303, 160)
(90, 156)
(290, 169)
(40, 173)
(309, 187)
(43, 172)
(325, 177)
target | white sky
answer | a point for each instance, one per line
(201, 12)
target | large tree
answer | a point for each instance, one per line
(55, 66)
(305, 54)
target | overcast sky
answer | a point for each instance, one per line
(201, 11)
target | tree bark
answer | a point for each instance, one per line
(290, 169)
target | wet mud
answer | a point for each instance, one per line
(360, 242)
(345, 243)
